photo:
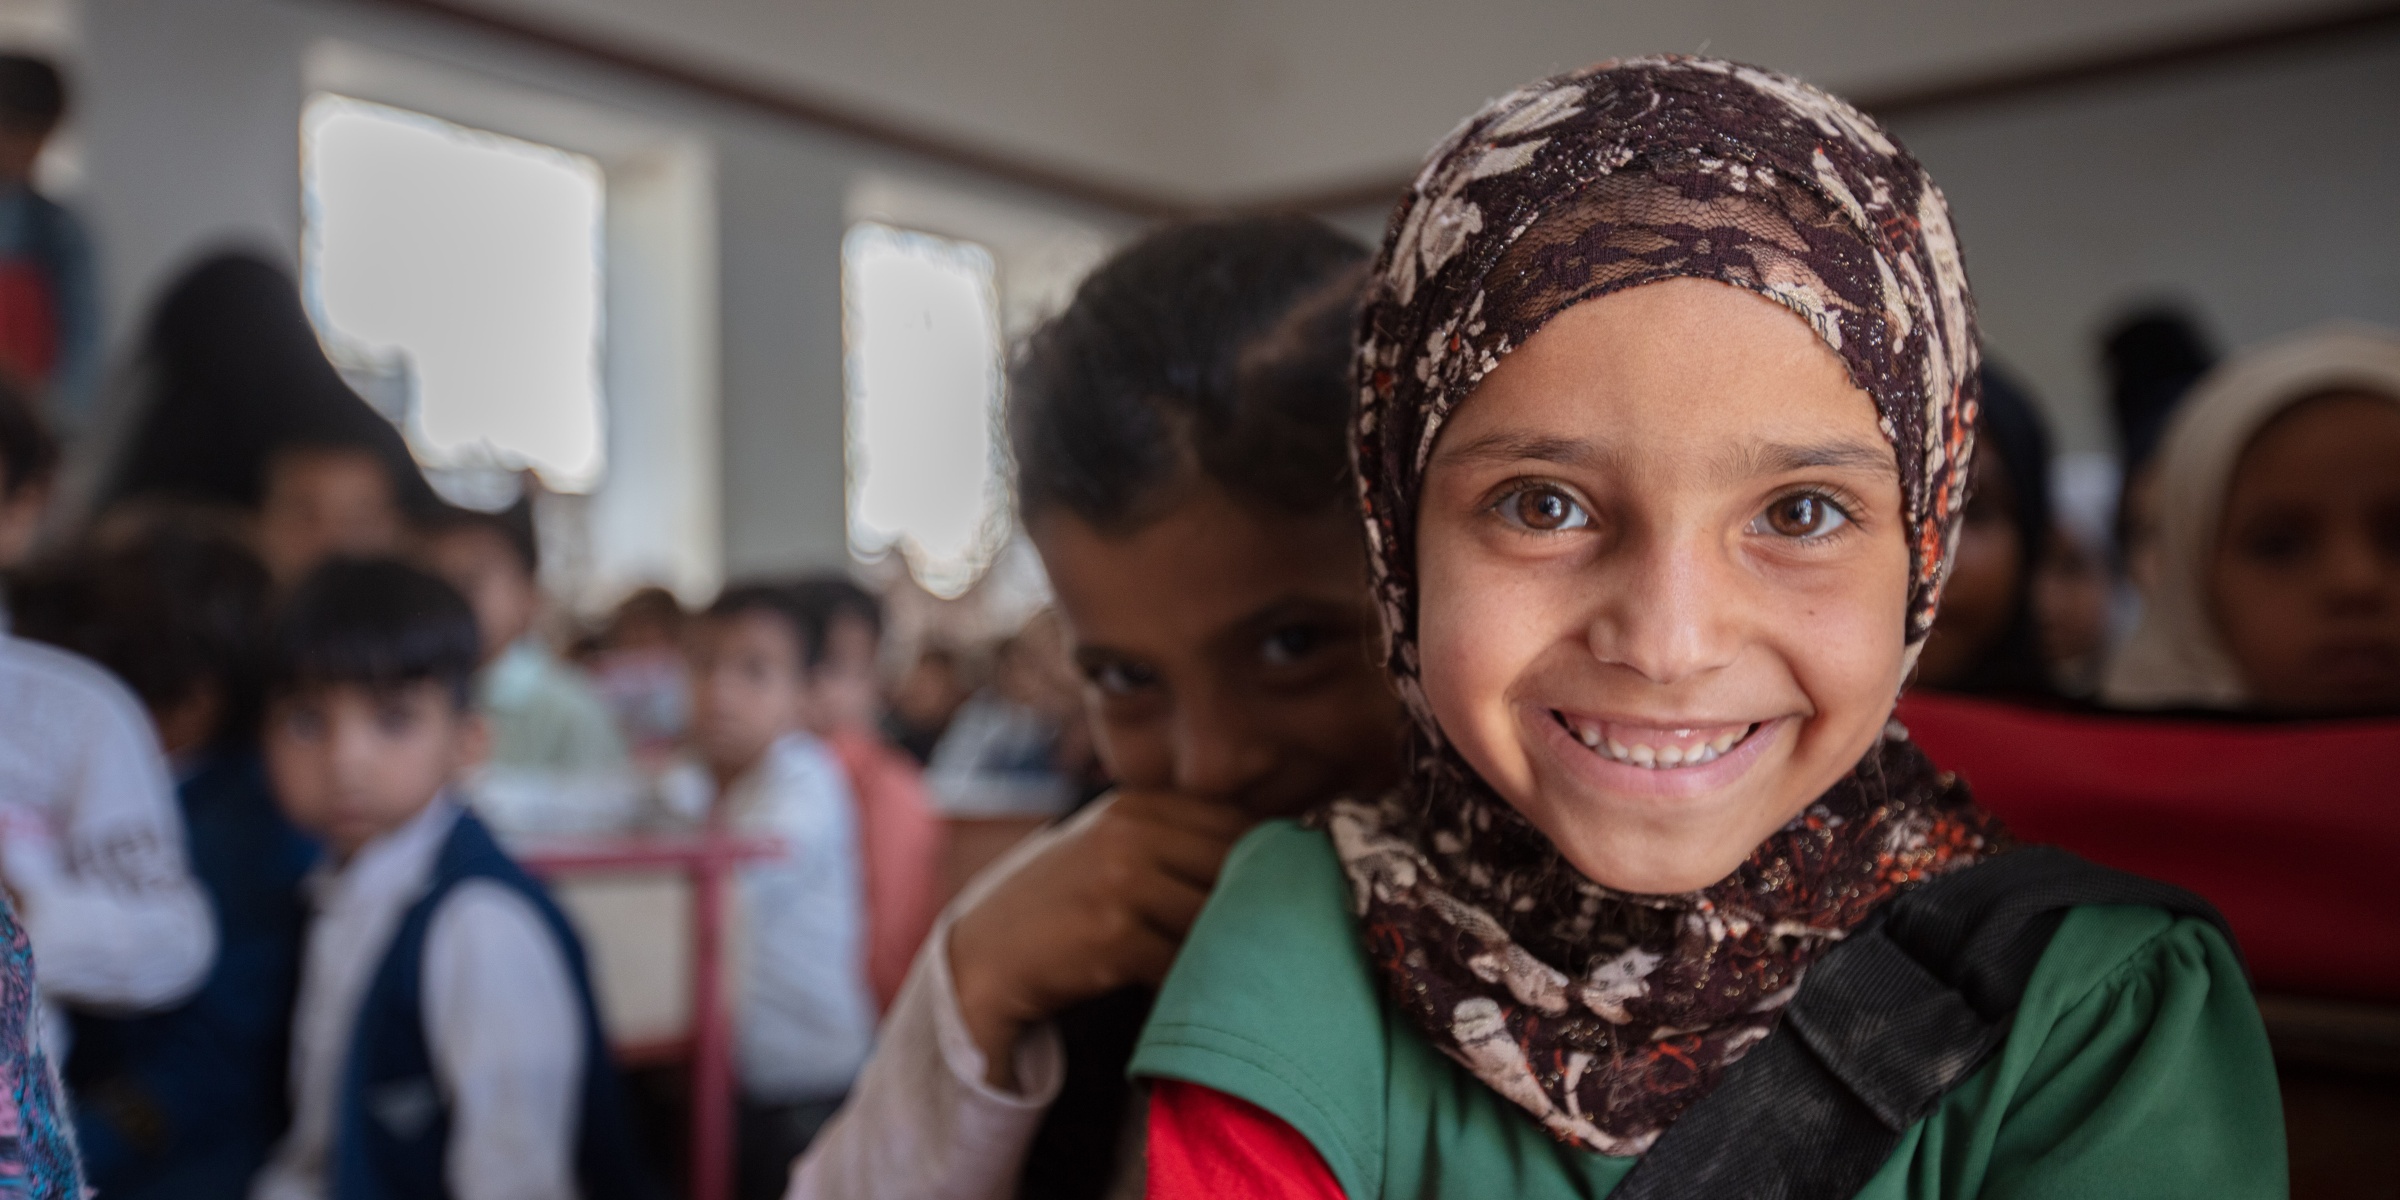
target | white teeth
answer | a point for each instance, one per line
(1658, 757)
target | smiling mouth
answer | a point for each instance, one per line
(1651, 747)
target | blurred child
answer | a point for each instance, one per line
(1180, 435)
(49, 291)
(1006, 752)
(806, 1013)
(184, 1104)
(900, 841)
(1989, 637)
(927, 696)
(446, 1042)
(91, 846)
(640, 673)
(2277, 586)
(554, 745)
(318, 500)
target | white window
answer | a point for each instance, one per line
(922, 338)
(468, 265)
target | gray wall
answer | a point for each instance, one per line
(190, 141)
(2264, 190)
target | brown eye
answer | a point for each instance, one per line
(1802, 515)
(1543, 510)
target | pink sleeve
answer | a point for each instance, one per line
(901, 844)
(1206, 1144)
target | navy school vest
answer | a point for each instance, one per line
(184, 1104)
(393, 1132)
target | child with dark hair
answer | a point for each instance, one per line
(323, 499)
(49, 290)
(1179, 434)
(1989, 637)
(91, 845)
(183, 1104)
(806, 1013)
(446, 1042)
(557, 758)
(900, 841)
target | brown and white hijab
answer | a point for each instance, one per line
(1605, 1014)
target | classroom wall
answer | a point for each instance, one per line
(2264, 188)
(189, 140)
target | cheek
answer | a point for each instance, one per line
(1137, 752)
(1479, 630)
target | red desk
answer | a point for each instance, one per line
(708, 860)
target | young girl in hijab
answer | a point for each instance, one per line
(1666, 384)
(1180, 435)
(2278, 581)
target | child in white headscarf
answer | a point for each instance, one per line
(2278, 586)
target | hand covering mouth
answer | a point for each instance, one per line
(1654, 747)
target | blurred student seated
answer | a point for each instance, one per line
(899, 839)
(929, 693)
(2278, 561)
(1011, 749)
(1988, 637)
(91, 845)
(805, 1016)
(184, 1104)
(49, 290)
(639, 672)
(557, 762)
(446, 1041)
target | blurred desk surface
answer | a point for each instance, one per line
(624, 892)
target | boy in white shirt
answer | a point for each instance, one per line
(807, 1014)
(445, 1046)
(91, 840)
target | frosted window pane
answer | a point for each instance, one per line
(474, 257)
(922, 327)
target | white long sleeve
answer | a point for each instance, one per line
(505, 1027)
(91, 840)
(921, 1123)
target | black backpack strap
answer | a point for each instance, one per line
(1884, 1026)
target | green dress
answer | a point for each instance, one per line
(2137, 1065)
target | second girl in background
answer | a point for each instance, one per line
(1181, 439)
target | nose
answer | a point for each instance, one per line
(1219, 752)
(352, 750)
(2358, 575)
(1662, 608)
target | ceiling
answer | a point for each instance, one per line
(1238, 101)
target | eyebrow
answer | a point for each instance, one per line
(1781, 458)
(1743, 462)
(1506, 447)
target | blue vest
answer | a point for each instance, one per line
(393, 1132)
(185, 1104)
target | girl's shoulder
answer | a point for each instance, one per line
(2136, 1063)
(1272, 999)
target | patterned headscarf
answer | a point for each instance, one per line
(1605, 1014)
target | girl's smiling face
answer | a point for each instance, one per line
(1663, 580)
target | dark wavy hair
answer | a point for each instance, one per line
(1213, 349)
